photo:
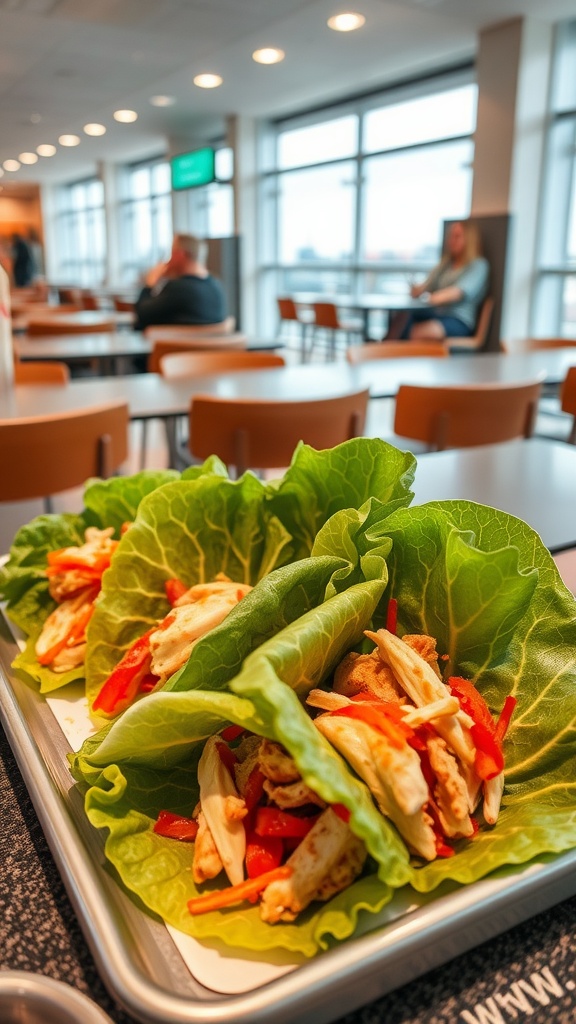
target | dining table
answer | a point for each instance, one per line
(111, 352)
(365, 305)
(82, 317)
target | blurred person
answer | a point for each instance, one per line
(181, 291)
(453, 291)
(37, 254)
(22, 261)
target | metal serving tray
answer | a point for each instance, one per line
(27, 998)
(140, 963)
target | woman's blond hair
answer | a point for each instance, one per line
(473, 242)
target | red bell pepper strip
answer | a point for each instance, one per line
(237, 893)
(504, 720)
(270, 821)
(148, 683)
(123, 684)
(263, 853)
(227, 756)
(471, 701)
(342, 812)
(232, 732)
(489, 759)
(174, 590)
(254, 788)
(392, 616)
(175, 826)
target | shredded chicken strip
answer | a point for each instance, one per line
(207, 862)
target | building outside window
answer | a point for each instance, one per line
(354, 199)
(554, 310)
(81, 233)
(145, 212)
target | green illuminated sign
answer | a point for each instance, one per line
(189, 170)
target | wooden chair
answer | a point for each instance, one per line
(201, 343)
(327, 319)
(89, 300)
(187, 332)
(247, 433)
(568, 400)
(43, 455)
(196, 364)
(463, 416)
(394, 350)
(536, 344)
(123, 305)
(70, 295)
(476, 341)
(53, 325)
(37, 372)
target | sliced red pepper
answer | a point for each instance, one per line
(271, 821)
(227, 756)
(254, 788)
(489, 759)
(263, 853)
(237, 893)
(123, 684)
(232, 732)
(504, 720)
(148, 683)
(392, 616)
(175, 826)
(174, 590)
(471, 701)
(377, 715)
(342, 812)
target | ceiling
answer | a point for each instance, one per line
(67, 62)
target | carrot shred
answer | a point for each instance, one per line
(236, 893)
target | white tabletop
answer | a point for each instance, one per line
(534, 480)
(150, 395)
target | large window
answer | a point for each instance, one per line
(81, 233)
(355, 202)
(208, 211)
(145, 218)
(555, 294)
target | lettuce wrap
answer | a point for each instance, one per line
(477, 580)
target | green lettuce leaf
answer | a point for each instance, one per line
(483, 583)
(144, 762)
(320, 483)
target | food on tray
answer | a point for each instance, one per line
(480, 602)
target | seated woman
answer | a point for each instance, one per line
(453, 291)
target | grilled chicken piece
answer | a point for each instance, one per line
(422, 685)
(393, 776)
(313, 863)
(69, 583)
(207, 862)
(425, 646)
(60, 622)
(294, 794)
(276, 764)
(344, 871)
(190, 620)
(366, 673)
(220, 587)
(216, 789)
(69, 657)
(247, 754)
(450, 792)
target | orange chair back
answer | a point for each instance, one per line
(460, 417)
(394, 350)
(287, 309)
(263, 434)
(478, 339)
(43, 455)
(568, 400)
(123, 305)
(534, 344)
(33, 372)
(196, 364)
(73, 295)
(326, 315)
(202, 343)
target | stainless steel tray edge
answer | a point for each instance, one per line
(350, 975)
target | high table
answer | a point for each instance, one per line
(534, 480)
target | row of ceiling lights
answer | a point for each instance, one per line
(345, 22)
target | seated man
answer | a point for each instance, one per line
(180, 291)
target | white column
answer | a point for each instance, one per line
(513, 71)
(242, 137)
(108, 174)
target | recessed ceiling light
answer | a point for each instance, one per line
(28, 158)
(69, 140)
(94, 129)
(208, 81)
(46, 149)
(346, 22)
(125, 116)
(11, 165)
(162, 101)
(268, 55)
(35, 118)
